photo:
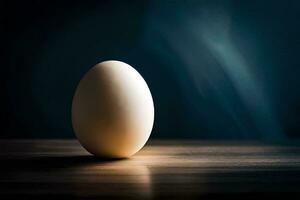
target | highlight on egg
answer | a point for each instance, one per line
(112, 110)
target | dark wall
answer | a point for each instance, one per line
(216, 69)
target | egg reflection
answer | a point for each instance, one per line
(118, 178)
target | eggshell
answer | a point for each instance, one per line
(112, 110)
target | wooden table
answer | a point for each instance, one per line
(49, 169)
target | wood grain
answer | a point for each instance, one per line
(170, 169)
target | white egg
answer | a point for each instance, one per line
(112, 110)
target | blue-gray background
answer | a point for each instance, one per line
(216, 69)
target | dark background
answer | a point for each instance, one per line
(216, 69)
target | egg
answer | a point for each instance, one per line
(112, 110)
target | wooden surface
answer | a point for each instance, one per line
(48, 169)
